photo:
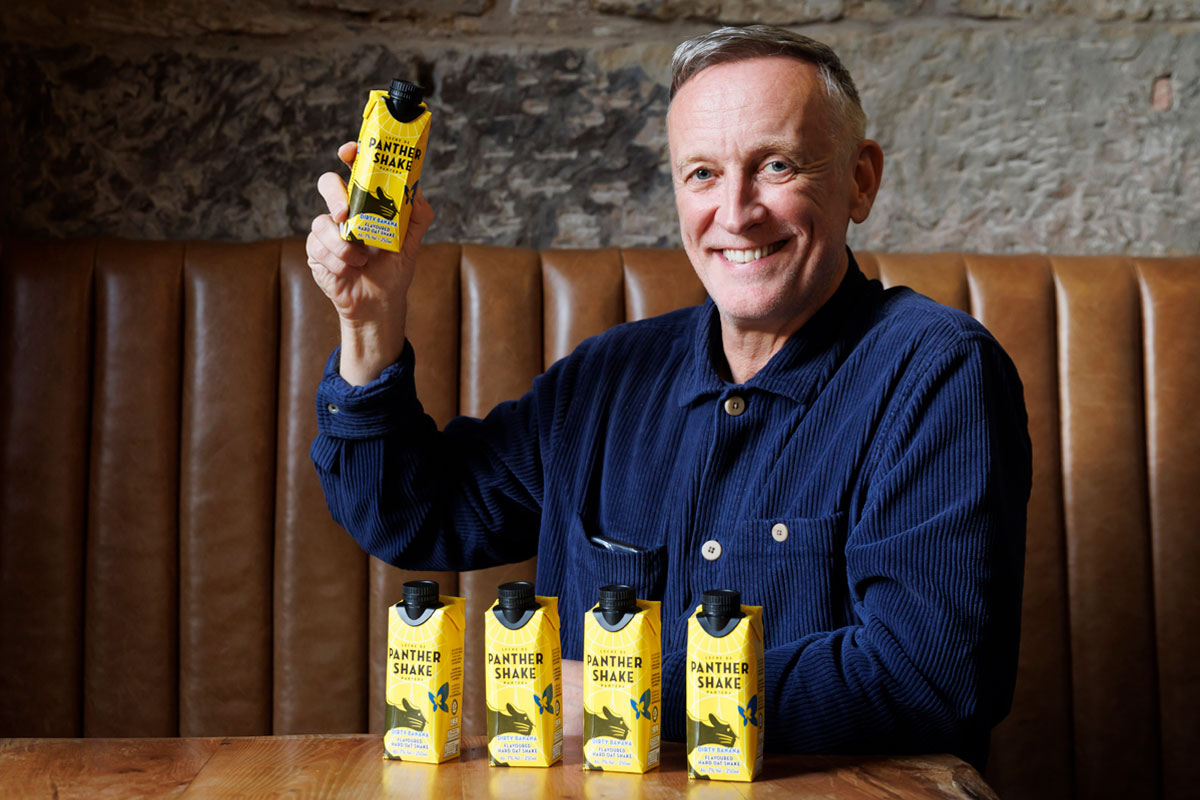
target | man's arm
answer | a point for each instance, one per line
(389, 477)
(367, 286)
(467, 497)
(934, 562)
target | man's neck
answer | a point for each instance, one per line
(748, 351)
(749, 346)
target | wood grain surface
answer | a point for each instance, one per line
(352, 766)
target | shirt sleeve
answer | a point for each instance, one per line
(934, 562)
(463, 498)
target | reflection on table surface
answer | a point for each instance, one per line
(353, 766)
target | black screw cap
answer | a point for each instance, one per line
(618, 598)
(516, 596)
(404, 100)
(420, 594)
(723, 603)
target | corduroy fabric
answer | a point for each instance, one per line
(888, 435)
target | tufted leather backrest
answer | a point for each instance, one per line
(169, 568)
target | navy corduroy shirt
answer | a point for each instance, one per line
(867, 488)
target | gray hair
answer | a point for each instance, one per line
(724, 45)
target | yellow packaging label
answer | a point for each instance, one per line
(725, 690)
(424, 683)
(383, 181)
(622, 691)
(524, 688)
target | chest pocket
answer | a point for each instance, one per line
(643, 568)
(794, 563)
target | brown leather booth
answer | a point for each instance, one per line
(169, 567)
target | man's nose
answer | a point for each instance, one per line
(741, 207)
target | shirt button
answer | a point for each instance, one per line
(331, 408)
(711, 549)
(734, 406)
(779, 532)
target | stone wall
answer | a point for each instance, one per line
(1068, 126)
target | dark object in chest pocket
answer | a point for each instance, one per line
(615, 545)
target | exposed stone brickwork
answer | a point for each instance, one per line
(1105, 10)
(1008, 125)
(729, 12)
(999, 141)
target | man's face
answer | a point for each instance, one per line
(763, 191)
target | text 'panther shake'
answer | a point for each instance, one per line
(424, 675)
(725, 689)
(622, 682)
(387, 168)
(524, 678)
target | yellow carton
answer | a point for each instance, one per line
(725, 689)
(424, 675)
(622, 682)
(524, 678)
(383, 182)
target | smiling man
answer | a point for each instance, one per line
(853, 459)
(767, 177)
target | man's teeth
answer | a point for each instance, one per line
(746, 256)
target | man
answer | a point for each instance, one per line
(854, 460)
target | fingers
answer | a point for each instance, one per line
(326, 247)
(347, 152)
(333, 189)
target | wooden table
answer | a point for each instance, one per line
(352, 766)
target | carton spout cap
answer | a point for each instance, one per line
(404, 100)
(514, 598)
(420, 595)
(616, 600)
(721, 605)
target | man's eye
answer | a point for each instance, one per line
(778, 166)
(702, 174)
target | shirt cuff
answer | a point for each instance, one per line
(362, 412)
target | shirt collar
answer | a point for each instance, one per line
(798, 366)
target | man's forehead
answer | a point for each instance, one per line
(779, 76)
(771, 93)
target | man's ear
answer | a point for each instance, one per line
(865, 175)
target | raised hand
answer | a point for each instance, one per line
(367, 286)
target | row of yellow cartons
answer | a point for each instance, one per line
(622, 689)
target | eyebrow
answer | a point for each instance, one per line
(796, 151)
(687, 161)
(787, 147)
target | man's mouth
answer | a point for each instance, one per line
(753, 254)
